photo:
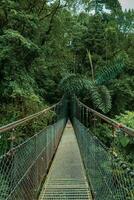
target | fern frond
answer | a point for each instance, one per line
(101, 98)
(74, 84)
(112, 69)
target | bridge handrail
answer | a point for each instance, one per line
(14, 124)
(110, 121)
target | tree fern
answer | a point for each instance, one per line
(101, 98)
(112, 69)
(100, 95)
(74, 83)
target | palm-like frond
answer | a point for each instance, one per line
(70, 84)
(112, 69)
(101, 98)
(74, 84)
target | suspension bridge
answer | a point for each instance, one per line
(63, 158)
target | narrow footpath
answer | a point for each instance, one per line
(66, 178)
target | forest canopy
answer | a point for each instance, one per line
(48, 48)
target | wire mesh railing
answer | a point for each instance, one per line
(25, 158)
(28, 146)
(109, 176)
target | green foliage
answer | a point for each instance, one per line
(101, 98)
(43, 44)
(124, 141)
(122, 93)
(29, 69)
(113, 69)
(127, 118)
(99, 95)
(122, 144)
(98, 5)
(104, 133)
(17, 39)
(74, 84)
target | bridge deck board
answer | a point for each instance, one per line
(66, 178)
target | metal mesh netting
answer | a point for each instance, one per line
(66, 178)
(109, 177)
(24, 166)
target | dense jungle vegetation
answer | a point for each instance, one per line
(52, 47)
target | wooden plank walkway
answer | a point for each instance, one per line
(66, 178)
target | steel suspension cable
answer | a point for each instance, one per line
(24, 164)
(110, 177)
